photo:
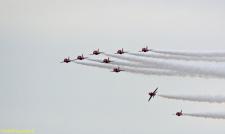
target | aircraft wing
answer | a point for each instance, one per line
(150, 98)
(156, 89)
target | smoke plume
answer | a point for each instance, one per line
(180, 57)
(206, 115)
(196, 98)
(199, 71)
(134, 70)
(193, 54)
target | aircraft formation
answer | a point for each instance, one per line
(116, 69)
(155, 67)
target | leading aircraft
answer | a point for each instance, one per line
(117, 70)
(96, 52)
(152, 94)
(145, 49)
(179, 113)
(66, 60)
(81, 57)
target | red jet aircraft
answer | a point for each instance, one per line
(152, 94)
(120, 51)
(96, 52)
(179, 113)
(106, 60)
(66, 60)
(145, 49)
(81, 57)
(117, 70)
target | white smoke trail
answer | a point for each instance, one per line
(193, 54)
(133, 70)
(180, 57)
(153, 72)
(138, 60)
(135, 65)
(95, 65)
(200, 98)
(206, 115)
(205, 72)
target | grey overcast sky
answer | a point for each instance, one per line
(39, 93)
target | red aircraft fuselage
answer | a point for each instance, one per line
(152, 94)
(80, 57)
(106, 61)
(96, 52)
(116, 70)
(66, 60)
(179, 113)
(120, 51)
(145, 49)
